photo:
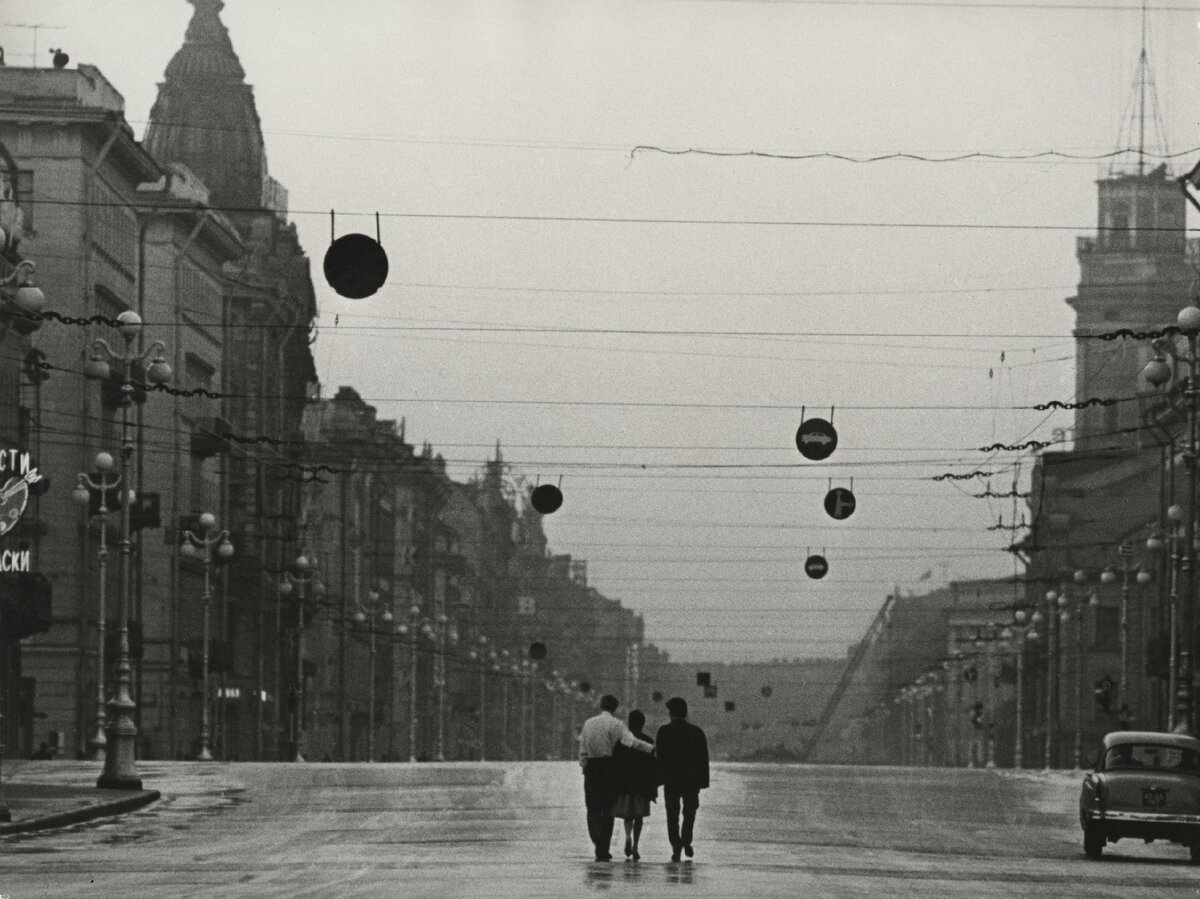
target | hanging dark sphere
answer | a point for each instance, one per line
(355, 266)
(816, 567)
(537, 651)
(546, 498)
(657, 696)
(584, 686)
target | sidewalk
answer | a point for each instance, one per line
(34, 805)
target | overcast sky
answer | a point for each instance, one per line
(882, 296)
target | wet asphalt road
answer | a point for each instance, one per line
(498, 830)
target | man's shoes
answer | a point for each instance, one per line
(636, 857)
(675, 856)
(688, 850)
(606, 857)
(628, 847)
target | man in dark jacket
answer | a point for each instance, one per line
(682, 751)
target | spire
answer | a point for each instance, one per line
(1142, 109)
(205, 116)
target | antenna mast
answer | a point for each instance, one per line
(35, 29)
(1143, 65)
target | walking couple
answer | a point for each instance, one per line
(622, 768)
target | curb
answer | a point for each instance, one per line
(84, 813)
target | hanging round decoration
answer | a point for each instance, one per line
(356, 266)
(766, 691)
(816, 439)
(546, 499)
(816, 567)
(584, 686)
(537, 651)
(656, 696)
(839, 503)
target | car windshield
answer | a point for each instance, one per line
(1149, 755)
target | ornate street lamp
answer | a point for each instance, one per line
(1022, 629)
(302, 575)
(200, 546)
(82, 494)
(376, 608)
(481, 656)
(411, 631)
(1158, 373)
(120, 767)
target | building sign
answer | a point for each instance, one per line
(17, 474)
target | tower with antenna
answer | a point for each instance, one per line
(1135, 272)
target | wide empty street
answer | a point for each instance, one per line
(518, 829)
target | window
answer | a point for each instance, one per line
(1168, 758)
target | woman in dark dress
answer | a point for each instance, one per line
(635, 777)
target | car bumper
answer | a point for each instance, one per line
(1177, 827)
(1114, 817)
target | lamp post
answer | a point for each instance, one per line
(507, 670)
(120, 767)
(443, 634)
(1157, 372)
(302, 575)
(480, 655)
(200, 546)
(1108, 576)
(411, 631)
(1053, 639)
(375, 608)
(82, 494)
(1065, 604)
(1018, 633)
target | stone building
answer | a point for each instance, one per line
(25, 599)
(109, 222)
(246, 445)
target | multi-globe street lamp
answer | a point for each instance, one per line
(1022, 630)
(200, 546)
(376, 608)
(410, 631)
(1108, 576)
(103, 482)
(302, 574)
(120, 767)
(481, 656)
(1158, 373)
(1072, 606)
(444, 635)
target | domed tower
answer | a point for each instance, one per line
(205, 115)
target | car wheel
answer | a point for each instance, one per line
(1093, 842)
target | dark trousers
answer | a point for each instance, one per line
(690, 800)
(598, 796)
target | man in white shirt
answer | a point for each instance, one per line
(597, 738)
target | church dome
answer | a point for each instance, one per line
(205, 116)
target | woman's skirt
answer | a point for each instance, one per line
(629, 805)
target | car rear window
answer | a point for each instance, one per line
(1147, 755)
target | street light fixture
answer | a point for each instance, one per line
(375, 608)
(120, 767)
(412, 631)
(82, 494)
(1158, 373)
(302, 575)
(480, 655)
(200, 546)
